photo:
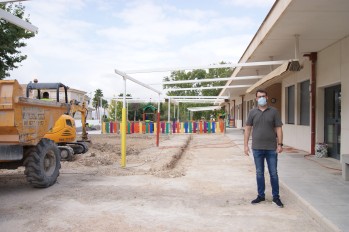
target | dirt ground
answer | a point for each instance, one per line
(189, 183)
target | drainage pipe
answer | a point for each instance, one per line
(313, 58)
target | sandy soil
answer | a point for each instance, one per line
(190, 183)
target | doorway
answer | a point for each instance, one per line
(333, 120)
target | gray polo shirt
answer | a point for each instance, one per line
(263, 127)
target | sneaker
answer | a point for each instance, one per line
(278, 202)
(259, 199)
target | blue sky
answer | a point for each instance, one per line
(81, 42)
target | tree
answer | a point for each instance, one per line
(96, 101)
(112, 111)
(118, 105)
(104, 106)
(11, 37)
(196, 75)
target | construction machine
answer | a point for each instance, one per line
(35, 133)
(63, 133)
(24, 123)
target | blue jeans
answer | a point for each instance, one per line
(271, 157)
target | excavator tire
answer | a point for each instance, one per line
(42, 164)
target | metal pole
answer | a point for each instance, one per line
(100, 111)
(126, 110)
(158, 124)
(116, 109)
(123, 134)
(123, 127)
(169, 111)
(296, 47)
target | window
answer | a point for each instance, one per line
(68, 122)
(290, 104)
(304, 103)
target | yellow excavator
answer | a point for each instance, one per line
(63, 133)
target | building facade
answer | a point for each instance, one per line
(313, 100)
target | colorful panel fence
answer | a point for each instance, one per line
(149, 127)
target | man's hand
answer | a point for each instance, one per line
(279, 149)
(247, 150)
(246, 139)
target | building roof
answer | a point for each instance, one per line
(317, 23)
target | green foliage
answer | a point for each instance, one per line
(96, 101)
(115, 108)
(112, 110)
(195, 75)
(11, 37)
(105, 106)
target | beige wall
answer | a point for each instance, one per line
(333, 69)
(345, 95)
(295, 135)
(274, 92)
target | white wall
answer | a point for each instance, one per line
(333, 69)
(345, 95)
(295, 135)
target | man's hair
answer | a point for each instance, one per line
(261, 91)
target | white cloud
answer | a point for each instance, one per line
(249, 3)
(81, 42)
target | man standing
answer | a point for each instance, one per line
(266, 126)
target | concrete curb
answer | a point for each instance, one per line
(309, 209)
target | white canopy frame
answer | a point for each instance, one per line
(15, 20)
(205, 108)
(209, 87)
(263, 63)
(210, 80)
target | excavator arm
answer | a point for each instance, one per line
(76, 107)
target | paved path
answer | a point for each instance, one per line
(315, 183)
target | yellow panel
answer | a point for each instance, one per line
(9, 138)
(7, 118)
(6, 91)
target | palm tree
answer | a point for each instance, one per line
(96, 102)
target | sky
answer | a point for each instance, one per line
(81, 42)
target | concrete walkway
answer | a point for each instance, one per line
(316, 183)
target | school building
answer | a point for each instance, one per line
(311, 87)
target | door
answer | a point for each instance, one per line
(333, 120)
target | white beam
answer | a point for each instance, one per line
(140, 101)
(199, 97)
(212, 80)
(124, 75)
(17, 21)
(200, 101)
(210, 87)
(205, 108)
(263, 63)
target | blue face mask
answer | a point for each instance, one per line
(262, 101)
